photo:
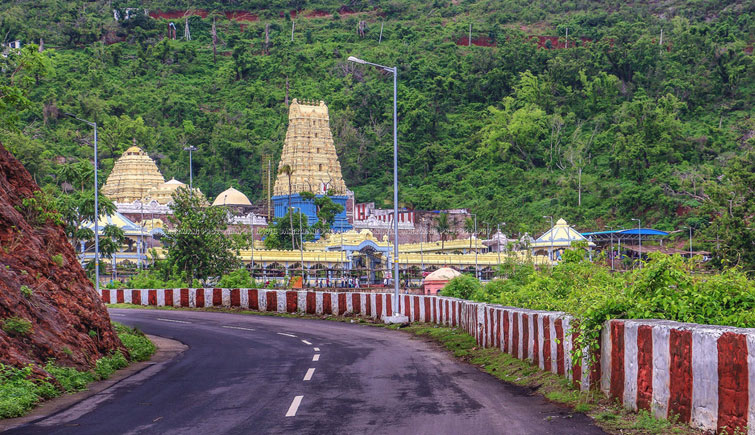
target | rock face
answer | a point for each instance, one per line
(69, 322)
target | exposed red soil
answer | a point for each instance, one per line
(69, 321)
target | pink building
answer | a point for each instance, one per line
(435, 282)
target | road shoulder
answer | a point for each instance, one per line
(166, 350)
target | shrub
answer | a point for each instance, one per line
(138, 345)
(17, 326)
(58, 260)
(462, 286)
(26, 291)
(239, 278)
(70, 379)
(107, 365)
(19, 393)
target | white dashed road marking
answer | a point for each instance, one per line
(309, 374)
(238, 327)
(306, 342)
(294, 406)
(287, 335)
(119, 315)
(317, 349)
(171, 320)
(316, 357)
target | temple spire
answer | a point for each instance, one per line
(310, 152)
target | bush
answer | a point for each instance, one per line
(107, 365)
(18, 393)
(58, 260)
(138, 345)
(153, 279)
(26, 291)
(239, 278)
(17, 326)
(463, 286)
(70, 379)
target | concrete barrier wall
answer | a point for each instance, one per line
(704, 375)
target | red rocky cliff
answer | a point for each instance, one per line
(69, 322)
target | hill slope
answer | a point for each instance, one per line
(515, 126)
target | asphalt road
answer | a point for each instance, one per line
(259, 374)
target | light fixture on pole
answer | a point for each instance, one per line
(394, 70)
(690, 241)
(550, 254)
(639, 234)
(96, 206)
(191, 170)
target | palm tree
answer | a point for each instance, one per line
(469, 227)
(442, 226)
(288, 170)
(112, 240)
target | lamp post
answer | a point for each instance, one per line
(96, 206)
(690, 241)
(639, 234)
(301, 244)
(498, 242)
(612, 253)
(191, 170)
(476, 271)
(252, 259)
(393, 70)
(550, 254)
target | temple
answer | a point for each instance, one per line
(133, 175)
(309, 163)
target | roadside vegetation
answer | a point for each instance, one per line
(610, 416)
(665, 288)
(20, 390)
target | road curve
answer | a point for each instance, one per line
(259, 374)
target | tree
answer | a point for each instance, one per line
(326, 211)
(443, 227)
(111, 242)
(288, 170)
(470, 227)
(277, 236)
(197, 245)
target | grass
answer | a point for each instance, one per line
(609, 415)
(20, 391)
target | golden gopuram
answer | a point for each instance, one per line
(133, 176)
(309, 152)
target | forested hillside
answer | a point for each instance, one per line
(642, 111)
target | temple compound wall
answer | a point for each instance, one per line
(700, 374)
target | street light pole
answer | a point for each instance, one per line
(191, 170)
(639, 234)
(550, 255)
(301, 244)
(476, 266)
(393, 70)
(96, 206)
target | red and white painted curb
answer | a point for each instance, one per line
(704, 375)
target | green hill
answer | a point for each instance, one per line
(608, 125)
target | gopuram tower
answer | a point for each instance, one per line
(309, 164)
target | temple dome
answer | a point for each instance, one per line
(232, 197)
(443, 274)
(163, 193)
(133, 176)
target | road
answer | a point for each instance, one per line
(247, 374)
